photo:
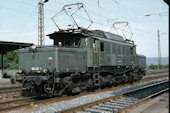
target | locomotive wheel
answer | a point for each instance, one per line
(125, 78)
(131, 77)
(114, 81)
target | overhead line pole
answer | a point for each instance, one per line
(41, 34)
(159, 51)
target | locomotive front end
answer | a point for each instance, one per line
(36, 67)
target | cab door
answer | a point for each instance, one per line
(96, 49)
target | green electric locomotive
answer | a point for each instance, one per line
(79, 60)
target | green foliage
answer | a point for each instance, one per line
(155, 67)
(10, 60)
(165, 66)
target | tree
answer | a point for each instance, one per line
(10, 60)
(153, 67)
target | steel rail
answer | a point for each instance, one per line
(10, 87)
(45, 100)
(141, 101)
(6, 105)
(155, 77)
(14, 90)
(28, 102)
(119, 96)
(157, 72)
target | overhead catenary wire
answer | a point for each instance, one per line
(26, 3)
(24, 25)
(120, 4)
(16, 10)
(90, 11)
(53, 11)
(164, 4)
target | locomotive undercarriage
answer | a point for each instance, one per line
(72, 83)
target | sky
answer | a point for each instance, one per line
(19, 20)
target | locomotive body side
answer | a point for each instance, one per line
(110, 56)
(52, 59)
(78, 62)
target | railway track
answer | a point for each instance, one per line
(123, 101)
(155, 77)
(156, 72)
(11, 104)
(18, 103)
(8, 93)
(9, 88)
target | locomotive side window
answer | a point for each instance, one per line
(101, 46)
(74, 42)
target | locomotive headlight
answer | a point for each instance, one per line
(20, 71)
(37, 68)
(33, 68)
(45, 70)
(38, 71)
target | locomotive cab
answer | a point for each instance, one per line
(68, 39)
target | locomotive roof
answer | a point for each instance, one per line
(99, 34)
(107, 35)
(67, 33)
(141, 55)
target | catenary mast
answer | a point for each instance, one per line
(41, 34)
